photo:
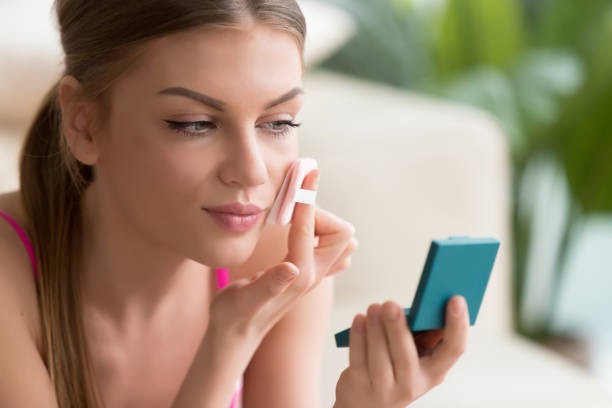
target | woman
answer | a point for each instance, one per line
(109, 295)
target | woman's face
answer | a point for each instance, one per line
(164, 155)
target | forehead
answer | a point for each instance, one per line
(228, 63)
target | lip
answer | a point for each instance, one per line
(236, 208)
(235, 222)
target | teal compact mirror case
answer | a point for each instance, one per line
(454, 266)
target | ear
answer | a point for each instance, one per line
(77, 121)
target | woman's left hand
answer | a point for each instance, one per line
(388, 366)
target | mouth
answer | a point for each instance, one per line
(235, 222)
(236, 208)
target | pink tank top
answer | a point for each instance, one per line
(221, 274)
(222, 281)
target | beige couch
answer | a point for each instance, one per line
(403, 169)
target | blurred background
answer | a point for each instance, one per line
(439, 81)
(543, 69)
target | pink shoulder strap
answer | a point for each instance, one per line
(222, 281)
(25, 240)
(222, 277)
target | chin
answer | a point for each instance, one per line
(225, 254)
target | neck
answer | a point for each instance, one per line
(127, 274)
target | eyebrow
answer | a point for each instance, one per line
(217, 104)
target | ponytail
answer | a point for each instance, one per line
(52, 182)
(101, 40)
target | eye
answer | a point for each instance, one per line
(277, 129)
(190, 129)
(281, 128)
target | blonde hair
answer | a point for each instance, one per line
(100, 40)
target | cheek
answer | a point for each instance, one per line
(152, 175)
(178, 172)
(158, 188)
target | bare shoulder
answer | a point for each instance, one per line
(17, 285)
(24, 381)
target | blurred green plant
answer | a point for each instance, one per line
(542, 68)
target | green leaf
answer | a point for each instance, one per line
(542, 79)
(491, 89)
(389, 47)
(585, 129)
(478, 32)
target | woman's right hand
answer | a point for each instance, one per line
(244, 311)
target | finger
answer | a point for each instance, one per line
(379, 360)
(301, 234)
(453, 343)
(350, 247)
(357, 344)
(404, 357)
(344, 260)
(269, 285)
(341, 265)
(331, 229)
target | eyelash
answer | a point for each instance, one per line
(181, 127)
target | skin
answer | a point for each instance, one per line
(152, 181)
(388, 366)
(149, 249)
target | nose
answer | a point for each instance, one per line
(245, 166)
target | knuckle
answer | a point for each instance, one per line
(309, 280)
(303, 285)
(307, 229)
(219, 302)
(342, 264)
(458, 349)
(346, 237)
(333, 270)
(383, 387)
(276, 288)
(242, 328)
(345, 375)
(438, 379)
(255, 276)
(378, 391)
(407, 393)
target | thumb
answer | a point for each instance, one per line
(271, 283)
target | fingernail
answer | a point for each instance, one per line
(457, 306)
(287, 275)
